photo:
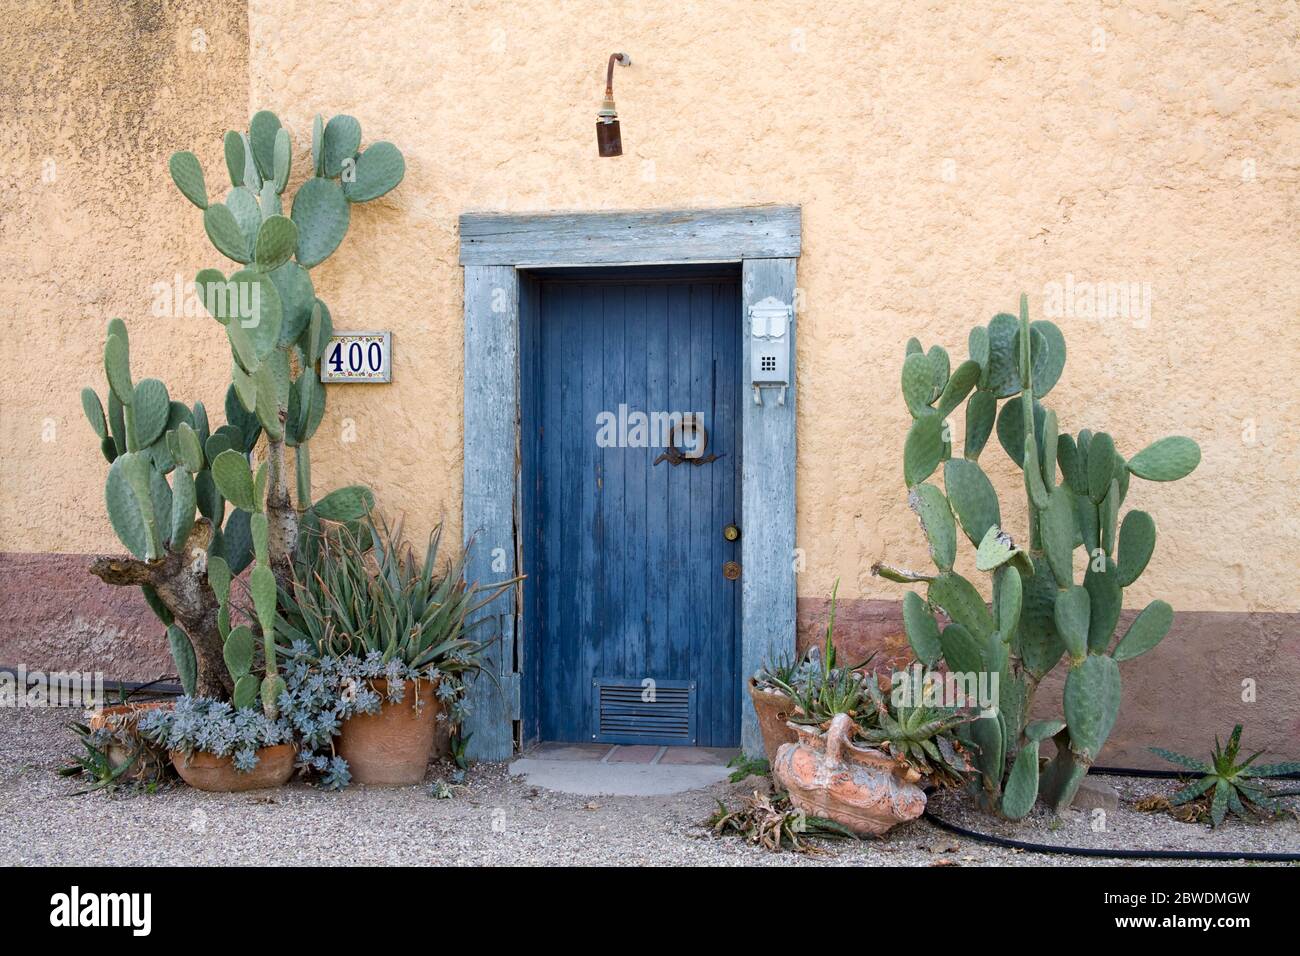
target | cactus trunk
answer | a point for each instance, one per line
(282, 519)
(185, 592)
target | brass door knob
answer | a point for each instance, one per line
(731, 532)
(731, 570)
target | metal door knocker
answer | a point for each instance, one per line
(674, 456)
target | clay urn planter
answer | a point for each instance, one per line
(773, 709)
(122, 719)
(393, 747)
(860, 788)
(218, 774)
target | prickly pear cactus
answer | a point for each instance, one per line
(170, 475)
(1040, 614)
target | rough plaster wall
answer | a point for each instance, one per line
(94, 97)
(1122, 165)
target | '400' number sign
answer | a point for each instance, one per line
(358, 357)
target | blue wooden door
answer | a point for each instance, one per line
(632, 623)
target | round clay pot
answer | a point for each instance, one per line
(393, 747)
(827, 775)
(218, 774)
(773, 709)
(123, 718)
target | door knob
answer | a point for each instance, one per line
(731, 532)
(731, 570)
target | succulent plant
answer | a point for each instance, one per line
(817, 685)
(921, 736)
(1040, 613)
(170, 475)
(772, 822)
(1230, 786)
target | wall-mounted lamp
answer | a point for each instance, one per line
(608, 139)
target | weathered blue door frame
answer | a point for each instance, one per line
(497, 252)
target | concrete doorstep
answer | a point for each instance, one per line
(622, 771)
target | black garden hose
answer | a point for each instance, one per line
(159, 687)
(1094, 852)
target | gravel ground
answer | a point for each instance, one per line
(496, 820)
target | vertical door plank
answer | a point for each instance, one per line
(591, 546)
(701, 583)
(636, 570)
(681, 614)
(723, 662)
(659, 596)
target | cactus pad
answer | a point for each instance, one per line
(936, 519)
(923, 448)
(1022, 785)
(187, 174)
(918, 380)
(1092, 698)
(958, 386)
(277, 238)
(981, 411)
(1166, 460)
(962, 603)
(1073, 608)
(379, 169)
(972, 498)
(350, 503)
(223, 229)
(1002, 376)
(1147, 630)
(262, 132)
(234, 479)
(1106, 599)
(341, 141)
(1137, 542)
(922, 629)
(321, 214)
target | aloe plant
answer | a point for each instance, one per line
(359, 589)
(920, 735)
(1040, 613)
(1232, 787)
(171, 474)
(819, 687)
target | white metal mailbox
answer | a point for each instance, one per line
(769, 347)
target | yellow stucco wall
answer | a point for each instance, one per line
(94, 97)
(946, 157)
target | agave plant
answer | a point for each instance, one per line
(921, 736)
(1234, 785)
(820, 688)
(780, 673)
(360, 588)
(96, 763)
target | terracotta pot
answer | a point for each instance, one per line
(218, 774)
(393, 747)
(858, 787)
(122, 719)
(773, 709)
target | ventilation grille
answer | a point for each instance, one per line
(623, 716)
